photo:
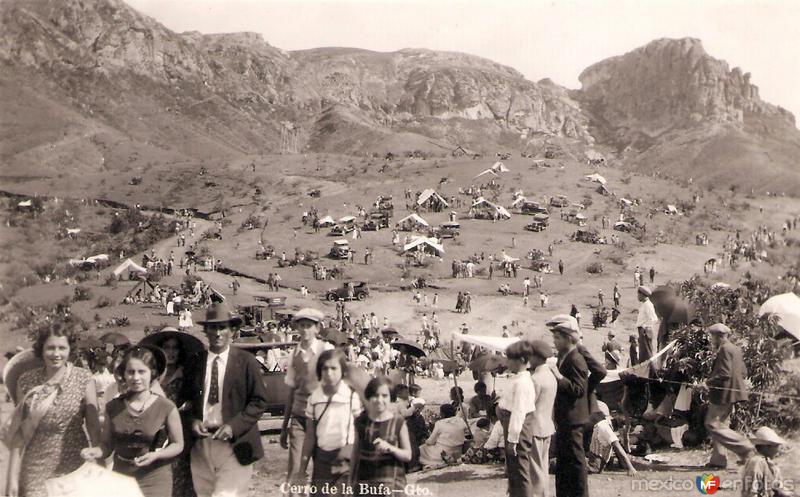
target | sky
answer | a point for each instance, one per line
(540, 39)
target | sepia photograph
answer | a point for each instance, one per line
(409, 248)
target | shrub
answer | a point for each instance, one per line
(81, 293)
(103, 301)
(595, 268)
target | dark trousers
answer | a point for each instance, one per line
(571, 469)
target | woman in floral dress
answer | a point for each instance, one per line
(53, 404)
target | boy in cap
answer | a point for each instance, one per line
(571, 411)
(301, 378)
(726, 387)
(761, 476)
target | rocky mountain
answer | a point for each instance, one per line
(113, 85)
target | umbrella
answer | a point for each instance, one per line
(190, 344)
(390, 332)
(15, 367)
(90, 343)
(408, 347)
(682, 312)
(489, 363)
(115, 338)
(92, 480)
(663, 299)
(787, 308)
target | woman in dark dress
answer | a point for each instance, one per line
(142, 429)
(382, 445)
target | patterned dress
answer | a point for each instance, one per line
(378, 473)
(55, 449)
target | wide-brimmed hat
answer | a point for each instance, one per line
(218, 313)
(158, 354)
(190, 344)
(766, 436)
(18, 365)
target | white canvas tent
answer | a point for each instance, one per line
(787, 308)
(487, 171)
(426, 244)
(625, 201)
(517, 201)
(496, 344)
(412, 221)
(499, 167)
(129, 265)
(431, 195)
(325, 222)
(485, 204)
(25, 203)
(596, 178)
(671, 209)
(508, 258)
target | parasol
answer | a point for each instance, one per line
(190, 344)
(92, 480)
(115, 338)
(489, 363)
(389, 332)
(787, 308)
(408, 347)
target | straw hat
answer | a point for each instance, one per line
(766, 436)
(18, 365)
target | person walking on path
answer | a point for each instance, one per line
(616, 295)
(652, 274)
(561, 267)
(726, 387)
(600, 297)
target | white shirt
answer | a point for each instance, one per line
(495, 439)
(212, 415)
(337, 426)
(647, 317)
(520, 402)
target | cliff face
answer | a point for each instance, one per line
(670, 83)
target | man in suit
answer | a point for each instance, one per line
(571, 412)
(726, 387)
(227, 399)
(545, 386)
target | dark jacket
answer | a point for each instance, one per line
(572, 405)
(728, 372)
(244, 400)
(596, 374)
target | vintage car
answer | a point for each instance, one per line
(450, 229)
(341, 229)
(559, 201)
(340, 250)
(540, 223)
(360, 291)
(377, 220)
(587, 236)
(532, 208)
(273, 358)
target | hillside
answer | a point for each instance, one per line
(114, 90)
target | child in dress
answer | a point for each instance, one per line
(382, 445)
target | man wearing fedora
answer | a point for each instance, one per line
(227, 399)
(301, 377)
(726, 387)
(571, 411)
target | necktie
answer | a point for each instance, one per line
(213, 391)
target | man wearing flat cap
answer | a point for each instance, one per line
(301, 377)
(646, 324)
(571, 411)
(227, 398)
(726, 386)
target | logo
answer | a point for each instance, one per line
(707, 484)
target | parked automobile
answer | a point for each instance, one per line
(273, 358)
(348, 291)
(340, 250)
(540, 223)
(533, 208)
(341, 229)
(559, 201)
